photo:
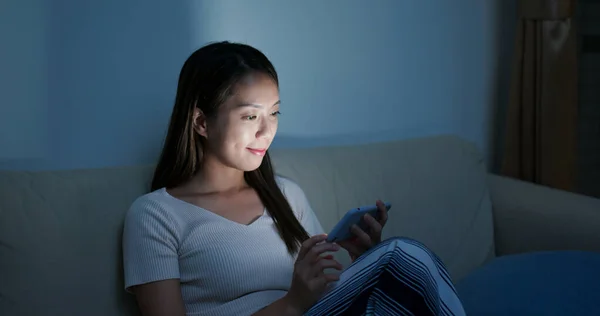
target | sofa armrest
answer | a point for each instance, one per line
(530, 217)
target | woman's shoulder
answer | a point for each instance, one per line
(289, 187)
(293, 193)
(300, 205)
(155, 205)
(149, 199)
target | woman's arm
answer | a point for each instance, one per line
(150, 258)
(161, 298)
(281, 307)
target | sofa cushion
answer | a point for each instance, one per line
(537, 283)
(437, 187)
(60, 241)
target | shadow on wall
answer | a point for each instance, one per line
(112, 75)
(289, 141)
(113, 69)
(370, 70)
(506, 21)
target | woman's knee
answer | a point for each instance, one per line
(406, 243)
(404, 240)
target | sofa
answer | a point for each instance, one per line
(60, 231)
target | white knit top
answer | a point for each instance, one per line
(225, 268)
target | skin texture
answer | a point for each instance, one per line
(248, 120)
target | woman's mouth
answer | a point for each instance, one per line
(257, 151)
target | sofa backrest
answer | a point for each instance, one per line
(60, 231)
(437, 187)
(60, 241)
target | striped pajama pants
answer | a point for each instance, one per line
(399, 276)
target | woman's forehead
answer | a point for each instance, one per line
(260, 92)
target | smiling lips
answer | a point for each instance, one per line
(258, 152)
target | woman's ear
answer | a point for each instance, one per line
(199, 123)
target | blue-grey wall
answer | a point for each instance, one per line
(104, 73)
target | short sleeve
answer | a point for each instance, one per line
(150, 244)
(309, 221)
(301, 206)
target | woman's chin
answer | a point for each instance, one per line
(251, 165)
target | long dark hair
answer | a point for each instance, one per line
(205, 82)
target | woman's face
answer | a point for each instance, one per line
(245, 124)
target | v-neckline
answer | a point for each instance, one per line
(220, 217)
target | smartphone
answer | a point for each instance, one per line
(341, 231)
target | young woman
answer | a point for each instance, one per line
(221, 234)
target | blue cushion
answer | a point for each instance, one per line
(540, 283)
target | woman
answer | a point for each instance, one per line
(220, 234)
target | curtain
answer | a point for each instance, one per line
(540, 139)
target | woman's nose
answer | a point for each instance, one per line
(266, 128)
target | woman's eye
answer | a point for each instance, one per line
(254, 117)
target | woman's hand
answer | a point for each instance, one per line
(362, 240)
(309, 280)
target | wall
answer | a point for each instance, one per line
(352, 70)
(23, 84)
(589, 99)
(112, 69)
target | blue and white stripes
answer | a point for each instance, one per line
(399, 276)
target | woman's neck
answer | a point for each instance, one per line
(214, 177)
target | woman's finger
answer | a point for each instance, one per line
(320, 282)
(314, 254)
(352, 248)
(363, 238)
(374, 225)
(331, 277)
(309, 243)
(323, 264)
(382, 213)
